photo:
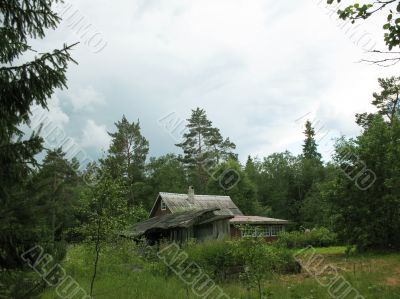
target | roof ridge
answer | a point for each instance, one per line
(184, 194)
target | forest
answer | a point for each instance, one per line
(74, 211)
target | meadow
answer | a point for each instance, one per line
(123, 273)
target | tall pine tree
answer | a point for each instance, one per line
(203, 148)
(127, 154)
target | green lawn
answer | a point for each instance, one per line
(122, 274)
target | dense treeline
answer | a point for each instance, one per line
(354, 194)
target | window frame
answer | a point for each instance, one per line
(163, 206)
(267, 231)
(276, 229)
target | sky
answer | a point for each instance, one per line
(259, 68)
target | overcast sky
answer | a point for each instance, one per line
(259, 68)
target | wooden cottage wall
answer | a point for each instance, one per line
(157, 211)
(221, 229)
(204, 231)
(181, 235)
(216, 230)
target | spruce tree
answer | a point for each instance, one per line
(23, 83)
(56, 189)
(310, 150)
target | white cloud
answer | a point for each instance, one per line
(255, 66)
(50, 121)
(53, 113)
(86, 98)
(95, 136)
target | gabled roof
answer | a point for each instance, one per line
(177, 220)
(179, 202)
(240, 219)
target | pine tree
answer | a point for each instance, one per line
(388, 101)
(127, 154)
(203, 148)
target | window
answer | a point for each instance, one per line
(252, 231)
(246, 232)
(261, 231)
(163, 206)
(275, 229)
(267, 231)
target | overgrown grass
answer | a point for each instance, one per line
(123, 274)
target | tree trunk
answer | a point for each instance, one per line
(97, 255)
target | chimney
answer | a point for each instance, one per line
(191, 194)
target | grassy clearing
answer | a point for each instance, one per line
(122, 274)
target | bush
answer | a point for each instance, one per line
(214, 257)
(227, 259)
(320, 237)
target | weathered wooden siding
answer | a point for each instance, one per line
(157, 210)
(216, 230)
(221, 229)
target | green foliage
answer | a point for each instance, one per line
(127, 155)
(230, 179)
(104, 208)
(23, 83)
(369, 216)
(318, 237)
(276, 186)
(215, 257)
(107, 211)
(387, 101)
(310, 151)
(226, 259)
(203, 148)
(365, 197)
(124, 274)
(129, 148)
(391, 26)
(165, 174)
(55, 188)
(290, 187)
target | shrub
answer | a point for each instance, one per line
(224, 259)
(260, 260)
(214, 257)
(320, 237)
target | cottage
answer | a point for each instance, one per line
(179, 217)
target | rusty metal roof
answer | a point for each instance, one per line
(240, 219)
(180, 202)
